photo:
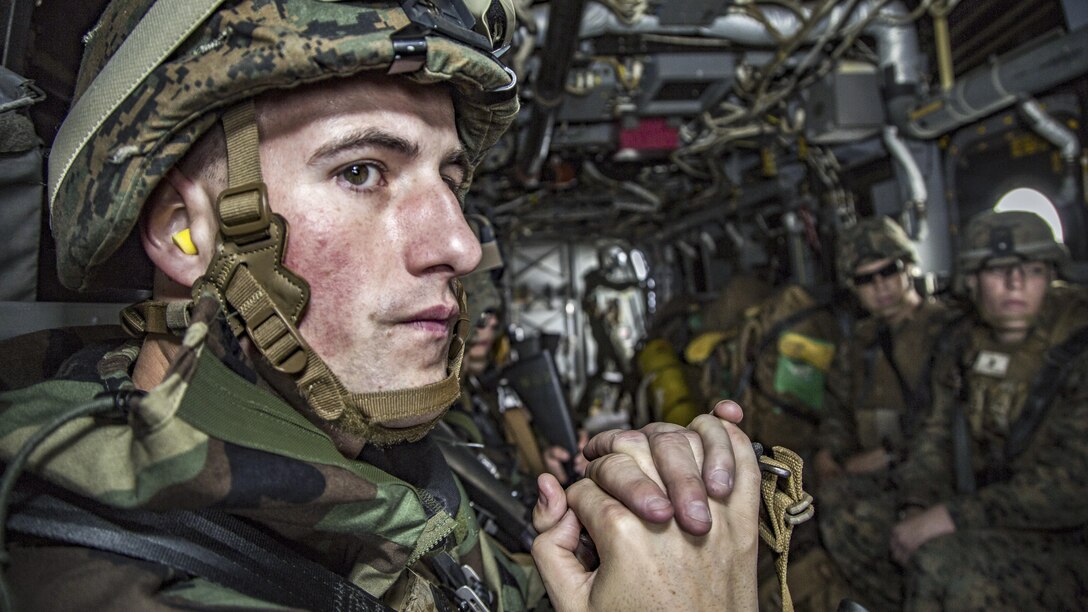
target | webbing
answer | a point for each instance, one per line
(213, 545)
(786, 507)
(154, 38)
(248, 272)
(1058, 361)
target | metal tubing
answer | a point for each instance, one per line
(988, 89)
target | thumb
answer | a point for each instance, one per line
(566, 580)
(551, 503)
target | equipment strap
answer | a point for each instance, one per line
(210, 544)
(165, 26)
(909, 419)
(747, 377)
(156, 317)
(1057, 363)
(918, 397)
(786, 506)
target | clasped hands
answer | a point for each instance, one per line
(673, 512)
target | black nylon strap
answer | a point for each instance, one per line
(1057, 363)
(747, 377)
(909, 418)
(961, 449)
(209, 544)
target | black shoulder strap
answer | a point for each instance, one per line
(1056, 365)
(210, 544)
(917, 397)
(955, 344)
(769, 338)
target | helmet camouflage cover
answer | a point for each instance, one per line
(481, 286)
(1004, 237)
(243, 48)
(872, 240)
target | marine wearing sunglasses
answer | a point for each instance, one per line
(885, 288)
(889, 270)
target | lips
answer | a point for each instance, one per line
(435, 320)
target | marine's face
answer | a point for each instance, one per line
(882, 287)
(365, 170)
(478, 354)
(1009, 297)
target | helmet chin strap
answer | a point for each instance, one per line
(265, 301)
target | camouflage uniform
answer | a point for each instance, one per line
(865, 404)
(213, 433)
(260, 459)
(868, 407)
(1019, 540)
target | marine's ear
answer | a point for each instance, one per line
(179, 203)
(970, 284)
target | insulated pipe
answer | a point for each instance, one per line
(988, 89)
(916, 182)
(1052, 130)
(560, 41)
(897, 45)
(1067, 142)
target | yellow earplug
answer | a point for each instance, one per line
(184, 240)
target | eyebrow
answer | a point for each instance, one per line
(381, 139)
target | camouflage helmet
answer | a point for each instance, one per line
(1000, 237)
(872, 240)
(108, 158)
(481, 286)
(491, 256)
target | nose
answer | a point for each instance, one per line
(1014, 277)
(442, 241)
(881, 282)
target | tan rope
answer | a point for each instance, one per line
(787, 506)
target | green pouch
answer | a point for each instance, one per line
(801, 380)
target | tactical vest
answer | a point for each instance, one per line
(886, 372)
(1003, 392)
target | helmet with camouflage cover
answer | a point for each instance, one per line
(481, 289)
(872, 240)
(105, 163)
(1005, 237)
(157, 74)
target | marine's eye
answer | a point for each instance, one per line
(361, 174)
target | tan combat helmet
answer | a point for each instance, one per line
(872, 240)
(1007, 237)
(157, 74)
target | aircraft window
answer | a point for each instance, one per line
(1032, 201)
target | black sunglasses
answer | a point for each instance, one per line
(485, 318)
(888, 271)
